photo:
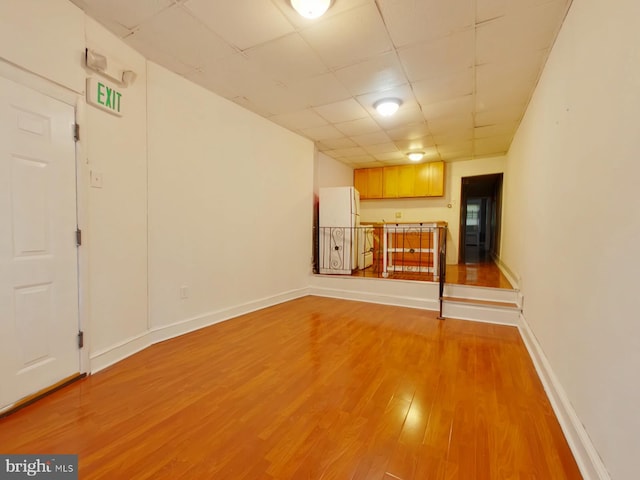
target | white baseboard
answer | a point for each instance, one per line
(109, 356)
(514, 280)
(586, 456)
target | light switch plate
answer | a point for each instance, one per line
(95, 179)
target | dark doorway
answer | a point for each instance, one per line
(480, 213)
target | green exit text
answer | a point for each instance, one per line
(109, 97)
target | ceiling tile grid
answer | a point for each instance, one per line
(464, 70)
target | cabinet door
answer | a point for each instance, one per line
(436, 179)
(406, 180)
(390, 182)
(374, 183)
(421, 186)
(360, 181)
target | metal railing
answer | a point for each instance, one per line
(396, 251)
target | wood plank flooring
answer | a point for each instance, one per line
(315, 388)
(476, 274)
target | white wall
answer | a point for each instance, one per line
(46, 38)
(49, 39)
(446, 208)
(230, 203)
(571, 223)
(116, 228)
(230, 194)
(332, 173)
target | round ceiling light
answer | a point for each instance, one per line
(415, 156)
(387, 106)
(311, 8)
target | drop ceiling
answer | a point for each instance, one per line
(464, 69)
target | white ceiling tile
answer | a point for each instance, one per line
(442, 56)
(409, 131)
(444, 87)
(455, 107)
(174, 32)
(511, 113)
(319, 90)
(324, 132)
(419, 20)
(359, 160)
(342, 111)
(336, 143)
(362, 29)
(381, 72)
(372, 164)
(490, 9)
(507, 128)
(348, 152)
(299, 120)
(500, 84)
(441, 126)
(242, 23)
(125, 13)
(381, 148)
(236, 74)
(454, 136)
(160, 57)
(391, 156)
(492, 145)
(358, 127)
(198, 77)
(374, 138)
(287, 59)
(421, 143)
(456, 151)
(509, 37)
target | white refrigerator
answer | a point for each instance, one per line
(339, 219)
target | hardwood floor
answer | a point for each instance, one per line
(315, 388)
(478, 274)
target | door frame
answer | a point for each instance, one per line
(466, 186)
(75, 100)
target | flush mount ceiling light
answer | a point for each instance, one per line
(387, 106)
(311, 8)
(415, 156)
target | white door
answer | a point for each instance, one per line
(38, 254)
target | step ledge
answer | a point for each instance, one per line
(481, 303)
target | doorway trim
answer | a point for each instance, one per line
(74, 99)
(486, 185)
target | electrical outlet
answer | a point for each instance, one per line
(184, 291)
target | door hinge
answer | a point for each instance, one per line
(76, 132)
(80, 339)
(78, 237)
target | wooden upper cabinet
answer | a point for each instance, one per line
(360, 179)
(422, 178)
(390, 182)
(401, 181)
(406, 180)
(436, 179)
(368, 181)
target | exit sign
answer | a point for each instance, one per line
(105, 96)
